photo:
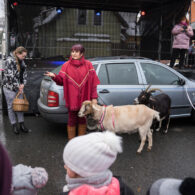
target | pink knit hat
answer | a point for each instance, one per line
(39, 177)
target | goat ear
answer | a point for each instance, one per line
(94, 107)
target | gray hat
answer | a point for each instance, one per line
(91, 154)
(166, 186)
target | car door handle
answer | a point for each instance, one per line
(104, 91)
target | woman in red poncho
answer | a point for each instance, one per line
(80, 81)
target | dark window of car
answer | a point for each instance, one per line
(118, 74)
(97, 17)
(158, 75)
(82, 16)
(103, 76)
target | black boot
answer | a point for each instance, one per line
(23, 128)
(15, 129)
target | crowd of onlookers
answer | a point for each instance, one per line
(87, 160)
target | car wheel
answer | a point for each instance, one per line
(193, 115)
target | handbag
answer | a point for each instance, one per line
(20, 105)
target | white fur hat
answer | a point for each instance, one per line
(91, 154)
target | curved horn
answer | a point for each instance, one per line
(148, 88)
(154, 89)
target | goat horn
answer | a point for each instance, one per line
(155, 89)
(148, 88)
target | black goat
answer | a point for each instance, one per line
(160, 103)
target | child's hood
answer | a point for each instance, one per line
(22, 178)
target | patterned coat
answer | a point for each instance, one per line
(11, 76)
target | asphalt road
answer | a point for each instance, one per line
(173, 155)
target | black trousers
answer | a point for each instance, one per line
(175, 53)
(191, 60)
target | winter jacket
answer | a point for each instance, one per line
(11, 75)
(181, 38)
(117, 187)
(27, 180)
(22, 181)
(79, 82)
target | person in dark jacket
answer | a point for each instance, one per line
(5, 172)
(79, 79)
(87, 161)
(172, 186)
(181, 33)
(14, 80)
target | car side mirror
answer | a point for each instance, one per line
(181, 82)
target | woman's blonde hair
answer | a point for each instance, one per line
(18, 50)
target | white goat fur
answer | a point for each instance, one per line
(127, 119)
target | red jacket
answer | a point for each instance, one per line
(79, 80)
(112, 189)
(116, 187)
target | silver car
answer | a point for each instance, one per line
(121, 82)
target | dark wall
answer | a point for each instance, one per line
(171, 13)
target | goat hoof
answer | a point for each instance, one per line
(149, 149)
(165, 132)
(138, 152)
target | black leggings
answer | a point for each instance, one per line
(178, 52)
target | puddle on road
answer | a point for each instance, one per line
(177, 129)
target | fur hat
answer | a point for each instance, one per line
(39, 177)
(91, 154)
(170, 186)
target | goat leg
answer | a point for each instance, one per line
(167, 120)
(143, 140)
(149, 135)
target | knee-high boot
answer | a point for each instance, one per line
(71, 131)
(82, 129)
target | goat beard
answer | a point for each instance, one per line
(91, 123)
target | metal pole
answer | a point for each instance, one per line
(190, 12)
(160, 39)
(6, 28)
(135, 38)
(187, 55)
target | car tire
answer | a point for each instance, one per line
(193, 115)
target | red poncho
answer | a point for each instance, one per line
(79, 80)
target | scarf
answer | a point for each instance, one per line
(77, 63)
(184, 24)
(97, 181)
(77, 69)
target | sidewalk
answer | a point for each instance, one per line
(189, 73)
